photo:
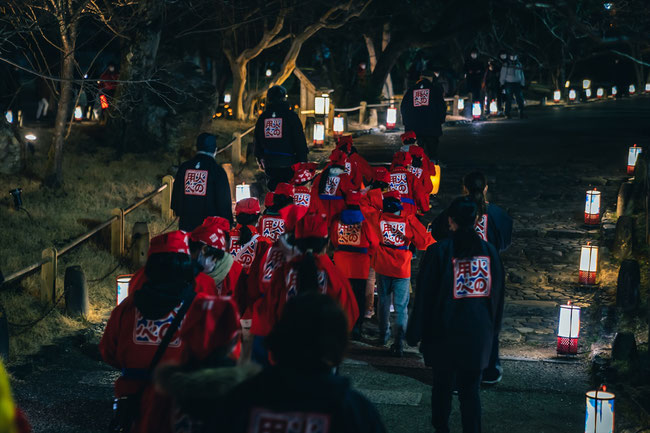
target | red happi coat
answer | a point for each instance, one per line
(361, 169)
(130, 341)
(354, 245)
(267, 310)
(202, 283)
(424, 176)
(332, 201)
(413, 196)
(302, 196)
(228, 285)
(396, 233)
(245, 254)
(271, 226)
(372, 203)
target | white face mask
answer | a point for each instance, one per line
(335, 171)
(207, 263)
(474, 55)
(503, 56)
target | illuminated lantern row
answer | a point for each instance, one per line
(322, 104)
(572, 95)
(632, 89)
(632, 155)
(78, 113)
(122, 290)
(557, 95)
(588, 265)
(568, 330)
(494, 109)
(476, 110)
(586, 84)
(339, 125)
(592, 208)
(588, 93)
(9, 116)
(242, 191)
(461, 104)
(600, 411)
(391, 117)
(614, 90)
(600, 92)
(319, 133)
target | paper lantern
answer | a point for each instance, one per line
(227, 98)
(476, 110)
(242, 191)
(600, 92)
(600, 411)
(647, 87)
(557, 95)
(588, 264)
(78, 113)
(632, 89)
(586, 84)
(572, 95)
(339, 125)
(319, 133)
(588, 93)
(391, 117)
(632, 155)
(568, 330)
(9, 116)
(494, 109)
(122, 289)
(567, 84)
(592, 208)
(614, 90)
(268, 73)
(461, 104)
(435, 181)
(322, 104)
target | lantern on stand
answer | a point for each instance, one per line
(78, 113)
(572, 95)
(391, 117)
(600, 411)
(632, 155)
(476, 110)
(632, 89)
(568, 330)
(557, 96)
(322, 104)
(9, 116)
(319, 134)
(122, 289)
(227, 98)
(339, 125)
(600, 93)
(461, 104)
(435, 181)
(592, 208)
(614, 90)
(588, 265)
(494, 109)
(586, 84)
(588, 93)
(242, 191)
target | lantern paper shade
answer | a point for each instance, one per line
(647, 87)
(78, 113)
(572, 95)
(632, 89)
(322, 104)
(586, 84)
(599, 417)
(494, 109)
(9, 116)
(123, 287)
(600, 92)
(568, 330)
(461, 104)
(242, 191)
(614, 91)
(588, 93)
(476, 110)
(592, 208)
(557, 95)
(339, 125)
(319, 133)
(567, 84)
(391, 117)
(588, 265)
(227, 98)
(632, 155)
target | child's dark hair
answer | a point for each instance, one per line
(475, 183)
(307, 269)
(417, 161)
(280, 201)
(169, 268)
(245, 234)
(467, 243)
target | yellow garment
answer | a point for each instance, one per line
(7, 407)
(435, 181)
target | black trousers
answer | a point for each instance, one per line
(516, 90)
(467, 383)
(359, 289)
(430, 145)
(494, 366)
(276, 175)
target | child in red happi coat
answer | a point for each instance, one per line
(272, 224)
(330, 187)
(412, 193)
(355, 242)
(356, 167)
(245, 241)
(303, 174)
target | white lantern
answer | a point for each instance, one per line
(568, 330)
(567, 84)
(30, 137)
(9, 116)
(586, 84)
(391, 117)
(319, 133)
(122, 289)
(476, 110)
(268, 73)
(322, 104)
(588, 264)
(227, 98)
(632, 155)
(614, 90)
(600, 92)
(242, 191)
(592, 208)
(647, 87)
(461, 104)
(600, 411)
(78, 113)
(632, 89)
(572, 95)
(494, 109)
(557, 95)
(588, 93)
(339, 125)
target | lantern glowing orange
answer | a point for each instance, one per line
(339, 125)
(103, 102)
(600, 411)
(588, 265)
(568, 330)
(632, 156)
(592, 208)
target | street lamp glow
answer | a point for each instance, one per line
(242, 191)
(319, 134)
(632, 155)
(572, 95)
(588, 93)
(568, 330)
(30, 137)
(227, 98)
(322, 104)
(78, 113)
(632, 89)
(600, 92)
(122, 289)
(600, 411)
(476, 110)
(9, 116)
(339, 125)
(592, 208)
(557, 95)
(588, 264)
(614, 90)
(494, 109)
(391, 117)
(269, 72)
(586, 84)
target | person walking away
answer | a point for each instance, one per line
(245, 241)
(273, 223)
(356, 166)
(424, 111)
(201, 187)
(457, 311)
(303, 175)
(512, 79)
(414, 198)
(474, 72)
(492, 85)
(107, 84)
(354, 242)
(330, 187)
(279, 139)
(43, 95)
(396, 231)
(202, 330)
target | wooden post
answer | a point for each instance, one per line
(454, 108)
(117, 233)
(236, 151)
(48, 276)
(231, 179)
(166, 205)
(140, 238)
(362, 111)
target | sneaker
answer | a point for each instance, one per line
(491, 376)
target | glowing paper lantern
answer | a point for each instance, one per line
(339, 125)
(476, 110)
(632, 89)
(227, 98)
(568, 330)
(122, 289)
(78, 113)
(600, 92)
(632, 155)
(9, 116)
(588, 264)
(592, 208)
(600, 411)
(647, 87)
(269, 72)
(494, 109)
(319, 133)
(391, 117)
(461, 104)
(588, 93)
(614, 90)
(322, 104)
(435, 181)
(586, 84)
(572, 95)
(103, 102)
(557, 95)
(242, 191)
(567, 84)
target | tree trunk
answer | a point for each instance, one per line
(384, 66)
(239, 76)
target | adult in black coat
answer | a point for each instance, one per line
(423, 112)
(279, 139)
(457, 311)
(474, 72)
(201, 187)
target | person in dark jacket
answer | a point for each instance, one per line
(201, 187)
(307, 343)
(492, 84)
(474, 72)
(512, 79)
(458, 308)
(424, 111)
(279, 139)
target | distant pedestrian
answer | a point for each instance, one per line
(43, 94)
(512, 78)
(107, 80)
(492, 85)
(457, 311)
(201, 187)
(279, 138)
(424, 111)
(474, 72)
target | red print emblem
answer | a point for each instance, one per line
(246, 253)
(151, 332)
(266, 421)
(393, 233)
(399, 183)
(196, 182)
(349, 234)
(272, 228)
(234, 245)
(481, 227)
(332, 185)
(420, 97)
(273, 128)
(472, 278)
